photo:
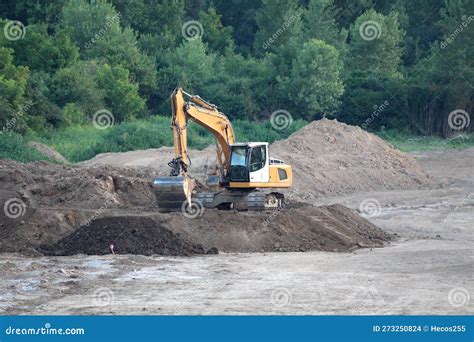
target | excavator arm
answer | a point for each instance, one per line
(206, 115)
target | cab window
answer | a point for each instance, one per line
(257, 158)
(238, 164)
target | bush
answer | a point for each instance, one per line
(14, 146)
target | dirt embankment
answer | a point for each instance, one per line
(109, 200)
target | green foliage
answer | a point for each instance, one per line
(76, 84)
(218, 37)
(190, 66)
(311, 57)
(77, 143)
(409, 142)
(315, 83)
(277, 21)
(120, 95)
(73, 115)
(12, 86)
(320, 23)
(15, 146)
(42, 52)
(375, 44)
(95, 28)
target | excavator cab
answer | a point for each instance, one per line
(249, 162)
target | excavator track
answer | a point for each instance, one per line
(228, 199)
(170, 197)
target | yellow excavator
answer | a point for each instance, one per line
(246, 177)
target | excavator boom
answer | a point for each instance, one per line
(206, 115)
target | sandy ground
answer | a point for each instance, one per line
(430, 270)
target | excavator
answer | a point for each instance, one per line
(246, 177)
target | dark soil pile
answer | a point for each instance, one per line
(123, 235)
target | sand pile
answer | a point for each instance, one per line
(331, 158)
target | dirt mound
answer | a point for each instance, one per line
(334, 228)
(123, 235)
(332, 158)
(47, 151)
(42, 184)
(156, 160)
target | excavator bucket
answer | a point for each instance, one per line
(171, 192)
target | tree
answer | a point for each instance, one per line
(120, 95)
(12, 88)
(95, 27)
(375, 44)
(40, 51)
(76, 84)
(190, 66)
(445, 75)
(218, 37)
(277, 21)
(320, 23)
(240, 15)
(314, 85)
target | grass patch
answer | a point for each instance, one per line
(410, 142)
(78, 143)
(14, 146)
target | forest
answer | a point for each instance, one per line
(384, 65)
